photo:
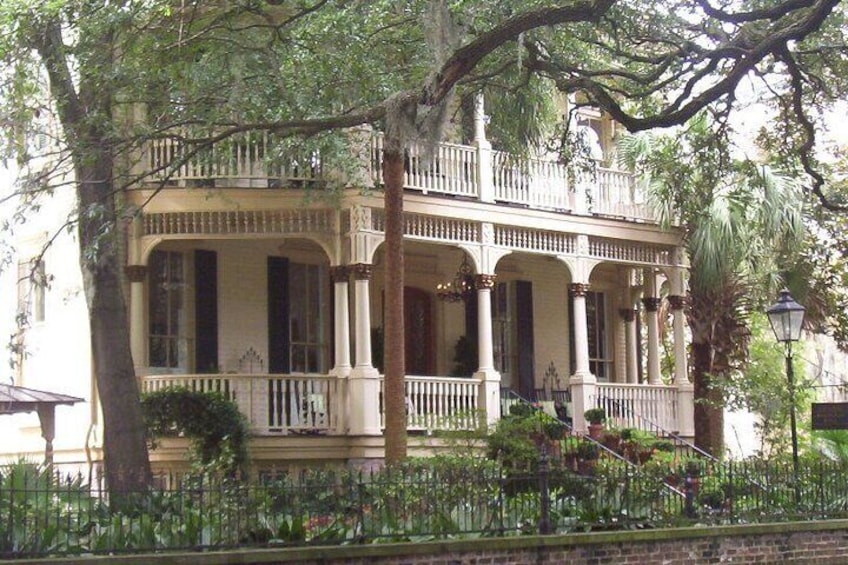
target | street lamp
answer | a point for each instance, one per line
(786, 318)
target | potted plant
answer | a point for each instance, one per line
(587, 453)
(596, 418)
(612, 440)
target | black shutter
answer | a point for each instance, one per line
(278, 315)
(206, 311)
(471, 314)
(524, 341)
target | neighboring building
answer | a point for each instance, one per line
(237, 283)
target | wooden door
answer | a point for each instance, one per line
(418, 319)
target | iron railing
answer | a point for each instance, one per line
(42, 514)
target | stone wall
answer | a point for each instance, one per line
(799, 542)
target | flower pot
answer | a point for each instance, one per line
(596, 431)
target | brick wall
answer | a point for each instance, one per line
(807, 542)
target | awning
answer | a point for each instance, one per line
(18, 399)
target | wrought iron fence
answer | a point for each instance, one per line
(42, 513)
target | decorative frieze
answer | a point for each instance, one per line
(528, 239)
(294, 221)
(432, 228)
(629, 252)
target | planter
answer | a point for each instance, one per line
(596, 431)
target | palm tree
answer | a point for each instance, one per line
(736, 217)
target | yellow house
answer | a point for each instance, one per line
(525, 277)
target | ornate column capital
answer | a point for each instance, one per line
(136, 273)
(362, 271)
(652, 303)
(627, 314)
(485, 281)
(676, 301)
(578, 289)
(339, 273)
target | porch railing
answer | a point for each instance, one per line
(624, 403)
(439, 403)
(258, 161)
(311, 404)
(273, 404)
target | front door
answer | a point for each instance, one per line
(418, 320)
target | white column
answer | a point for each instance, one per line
(681, 372)
(582, 381)
(137, 274)
(341, 324)
(651, 308)
(485, 174)
(652, 305)
(364, 382)
(362, 313)
(489, 399)
(685, 389)
(632, 344)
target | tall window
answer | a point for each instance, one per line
(32, 284)
(308, 291)
(600, 363)
(167, 314)
(503, 326)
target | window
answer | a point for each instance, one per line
(308, 291)
(596, 327)
(600, 364)
(32, 285)
(167, 315)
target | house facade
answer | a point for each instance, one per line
(523, 278)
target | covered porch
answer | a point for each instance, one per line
(290, 328)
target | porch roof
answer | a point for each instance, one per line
(15, 399)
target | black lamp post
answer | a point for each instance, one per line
(786, 317)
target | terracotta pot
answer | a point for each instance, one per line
(596, 431)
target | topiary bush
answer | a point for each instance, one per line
(217, 428)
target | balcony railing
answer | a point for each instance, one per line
(312, 404)
(256, 161)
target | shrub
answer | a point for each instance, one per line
(214, 423)
(595, 415)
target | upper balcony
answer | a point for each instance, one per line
(451, 170)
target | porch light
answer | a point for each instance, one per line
(786, 318)
(461, 287)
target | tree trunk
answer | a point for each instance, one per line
(393, 353)
(124, 434)
(84, 115)
(709, 405)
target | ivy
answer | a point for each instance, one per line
(213, 422)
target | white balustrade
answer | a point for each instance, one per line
(447, 168)
(615, 193)
(273, 404)
(538, 183)
(242, 157)
(646, 407)
(439, 403)
(256, 160)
